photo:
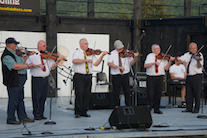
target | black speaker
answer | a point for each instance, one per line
(131, 117)
(102, 101)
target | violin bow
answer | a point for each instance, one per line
(166, 53)
(50, 54)
(198, 50)
(193, 56)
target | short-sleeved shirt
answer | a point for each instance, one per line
(178, 70)
(151, 70)
(114, 58)
(81, 68)
(193, 69)
(10, 62)
(36, 60)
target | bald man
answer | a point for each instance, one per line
(40, 75)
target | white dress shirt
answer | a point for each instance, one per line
(178, 70)
(36, 60)
(193, 69)
(81, 68)
(151, 70)
(114, 58)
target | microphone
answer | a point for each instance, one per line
(143, 32)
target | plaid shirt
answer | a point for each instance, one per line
(10, 62)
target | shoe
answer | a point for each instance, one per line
(77, 116)
(196, 110)
(86, 115)
(43, 118)
(14, 122)
(27, 120)
(158, 112)
(183, 105)
(37, 118)
(186, 110)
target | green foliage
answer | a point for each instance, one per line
(124, 10)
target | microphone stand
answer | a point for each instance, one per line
(29, 132)
(202, 116)
(135, 81)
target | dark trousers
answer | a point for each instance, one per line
(193, 90)
(119, 81)
(16, 100)
(154, 91)
(40, 88)
(82, 85)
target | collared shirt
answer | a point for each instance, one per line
(178, 70)
(193, 69)
(151, 70)
(114, 58)
(81, 68)
(10, 62)
(36, 60)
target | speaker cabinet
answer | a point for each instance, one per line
(131, 117)
(141, 97)
(102, 101)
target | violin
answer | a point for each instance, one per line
(127, 53)
(19, 52)
(161, 55)
(53, 56)
(90, 51)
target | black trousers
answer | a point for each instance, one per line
(154, 91)
(82, 85)
(16, 100)
(40, 88)
(193, 90)
(119, 81)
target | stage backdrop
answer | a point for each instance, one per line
(68, 40)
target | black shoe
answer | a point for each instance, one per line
(43, 118)
(37, 118)
(196, 110)
(27, 120)
(14, 122)
(86, 115)
(186, 110)
(77, 116)
(158, 112)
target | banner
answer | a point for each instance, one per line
(20, 7)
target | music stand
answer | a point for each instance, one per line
(51, 122)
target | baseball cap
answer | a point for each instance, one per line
(118, 44)
(11, 40)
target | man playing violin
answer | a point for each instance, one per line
(83, 67)
(120, 68)
(14, 77)
(193, 60)
(155, 70)
(40, 76)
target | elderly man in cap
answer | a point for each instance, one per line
(120, 68)
(14, 77)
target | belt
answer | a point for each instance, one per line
(84, 74)
(121, 74)
(40, 77)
